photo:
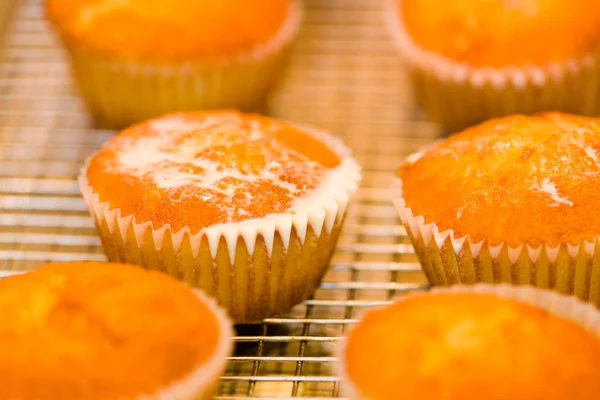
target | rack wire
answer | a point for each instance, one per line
(343, 76)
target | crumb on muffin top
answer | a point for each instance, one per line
(532, 179)
(497, 33)
(90, 330)
(168, 30)
(198, 169)
(465, 346)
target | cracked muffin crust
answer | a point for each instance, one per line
(515, 179)
(203, 168)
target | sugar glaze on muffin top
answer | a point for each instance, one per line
(514, 179)
(200, 169)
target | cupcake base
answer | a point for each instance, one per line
(458, 103)
(119, 94)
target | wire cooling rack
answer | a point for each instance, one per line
(343, 76)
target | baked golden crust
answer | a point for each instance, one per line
(168, 30)
(197, 169)
(497, 33)
(91, 330)
(512, 180)
(471, 346)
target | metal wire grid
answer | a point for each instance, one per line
(343, 76)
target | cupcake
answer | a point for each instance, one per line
(138, 59)
(477, 59)
(493, 342)
(511, 200)
(89, 330)
(247, 208)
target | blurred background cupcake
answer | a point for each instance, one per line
(477, 59)
(137, 59)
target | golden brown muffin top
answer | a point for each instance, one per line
(498, 33)
(197, 169)
(514, 179)
(168, 30)
(471, 346)
(88, 330)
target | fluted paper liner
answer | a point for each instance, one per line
(458, 95)
(122, 92)
(200, 384)
(557, 304)
(255, 268)
(447, 259)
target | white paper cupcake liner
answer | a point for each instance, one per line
(447, 259)
(202, 382)
(567, 307)
(122, 92)
(457, 95)
(254, 268)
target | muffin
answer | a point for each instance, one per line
(138, 59)
(475, 342)
(511, 200)
(477, 59)
(245, 207)
(89, 330)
